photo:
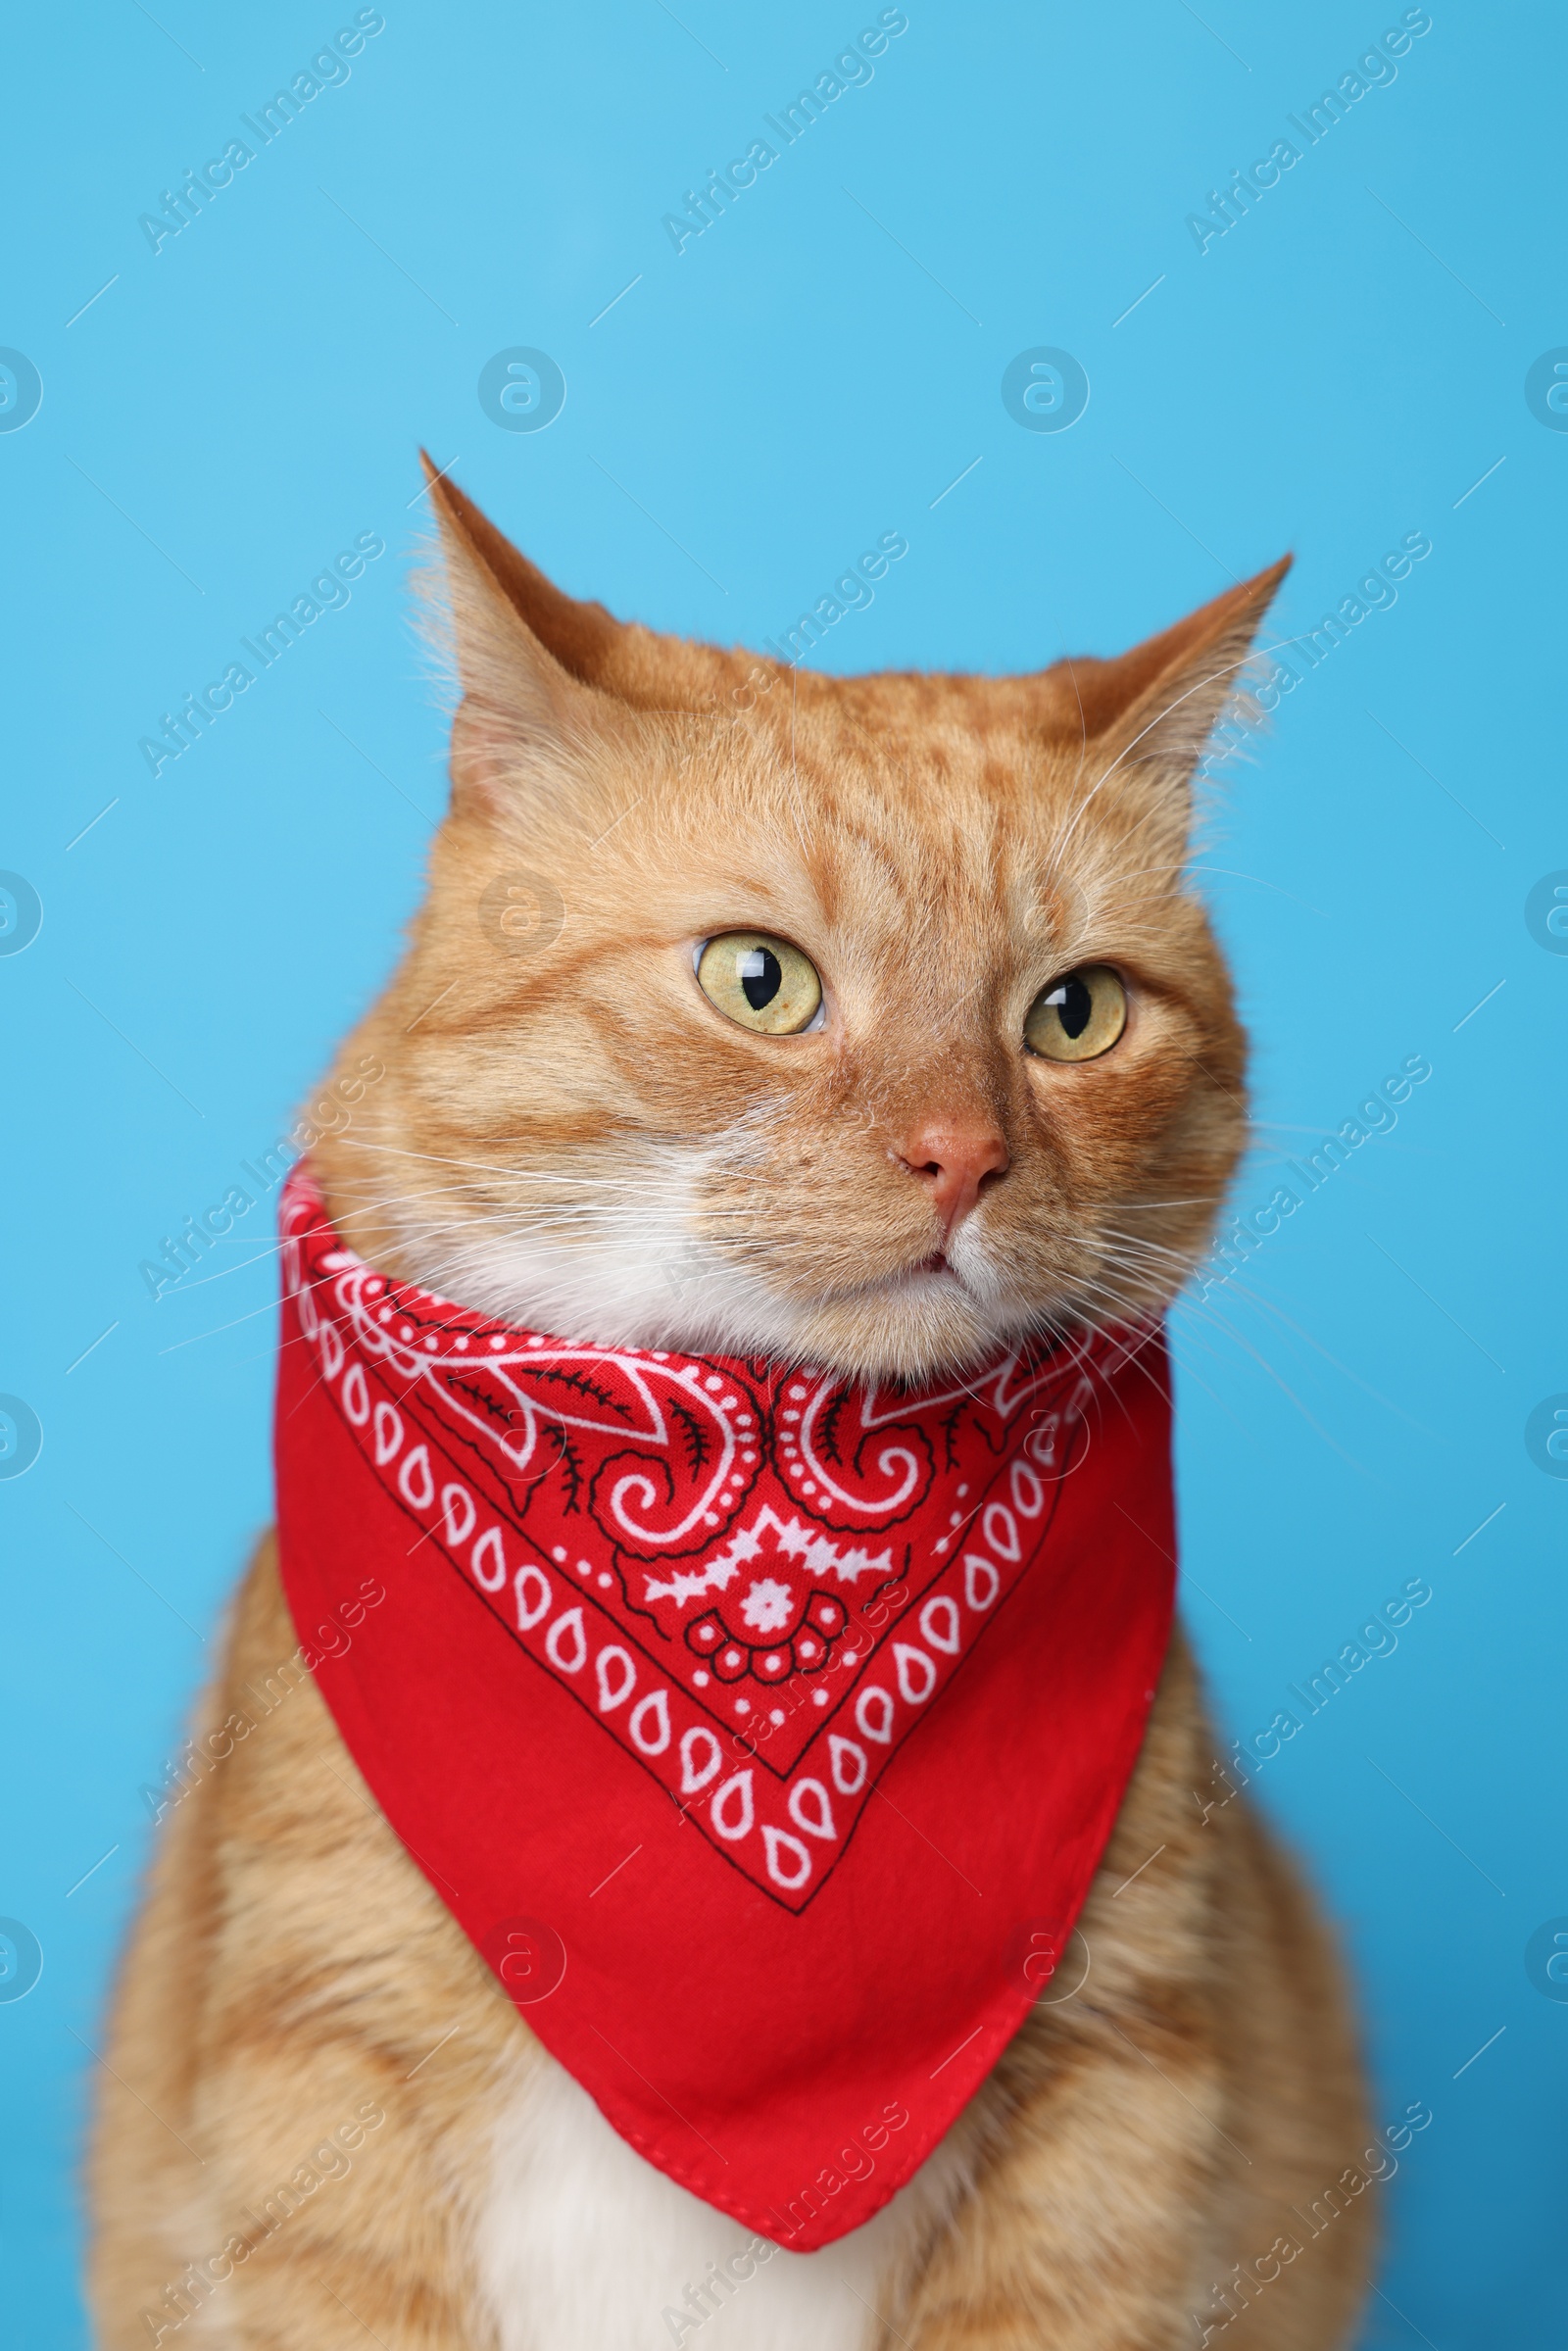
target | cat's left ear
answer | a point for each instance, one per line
(1147, 717)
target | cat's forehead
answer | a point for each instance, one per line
(964, 790)
(938, 723)
(963, 837)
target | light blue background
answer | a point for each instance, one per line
(1338, 370)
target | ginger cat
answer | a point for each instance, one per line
(325, 2122)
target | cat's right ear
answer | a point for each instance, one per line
(521, 711)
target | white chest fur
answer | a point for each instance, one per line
(583, 2246)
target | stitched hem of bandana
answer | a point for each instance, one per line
(647, 1587)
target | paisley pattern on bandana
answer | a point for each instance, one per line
(760, 1731)
(757, 1582)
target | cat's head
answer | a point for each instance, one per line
(868, 1022)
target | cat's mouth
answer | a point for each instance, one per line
(930, 1269)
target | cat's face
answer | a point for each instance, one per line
(861, 1022)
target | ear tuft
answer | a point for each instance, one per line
(635, 666)
(1150, 714)
(518, 707)
(1224, 628)
(582, 638)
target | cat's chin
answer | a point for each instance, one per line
(924, 1326)
(922, 1322)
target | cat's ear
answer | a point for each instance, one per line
(522, 709)
(1147, 718)
(520, 638)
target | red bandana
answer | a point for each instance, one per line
(763, 1732)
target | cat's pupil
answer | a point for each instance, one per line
(762, 976)
(1074, 1003)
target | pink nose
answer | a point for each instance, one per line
(956, 1161)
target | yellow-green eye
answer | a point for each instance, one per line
(763, 983)
(1077, 1017)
